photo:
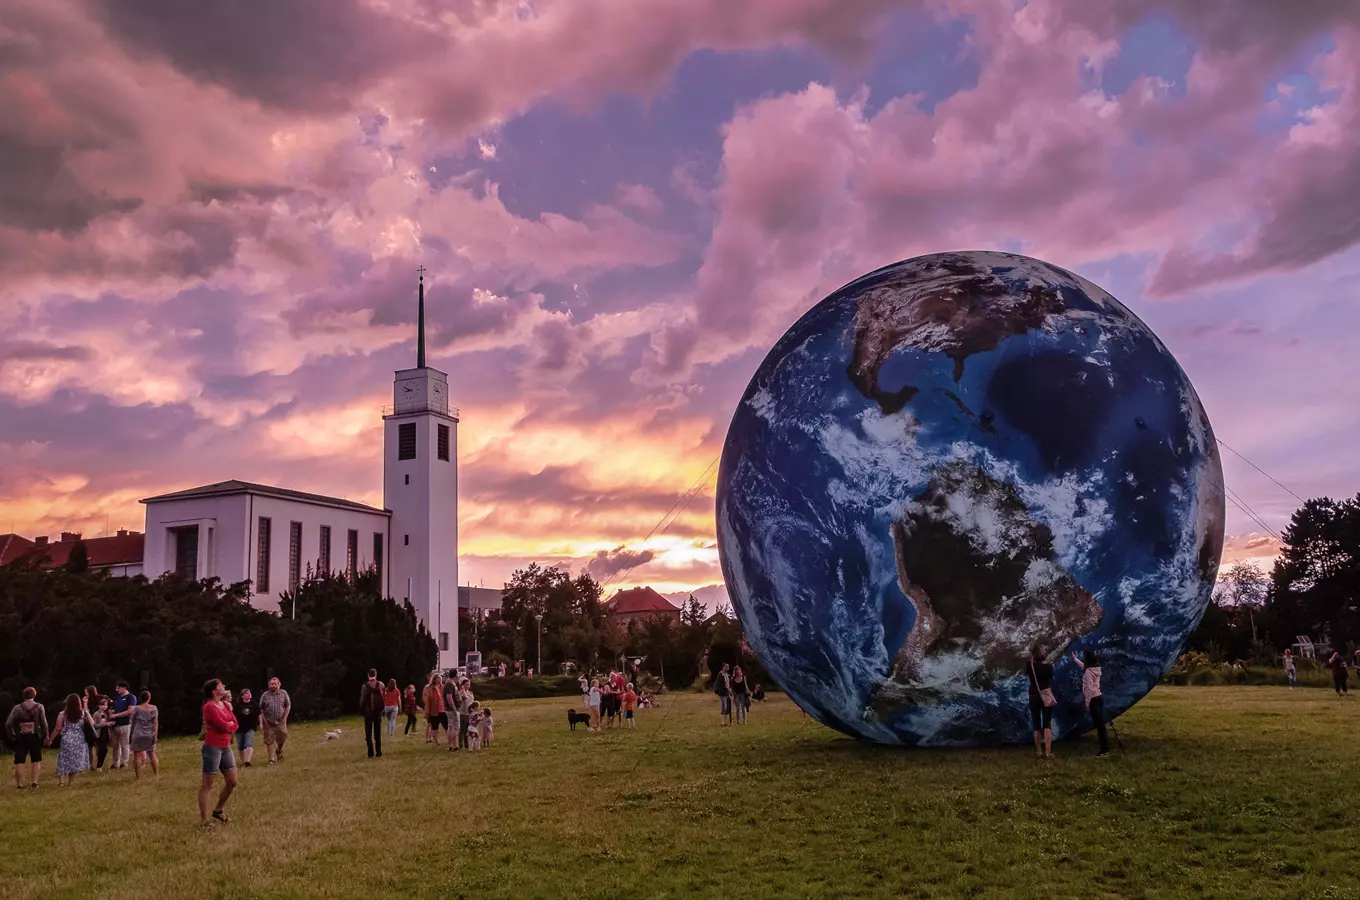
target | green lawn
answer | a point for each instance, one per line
(1223, 792)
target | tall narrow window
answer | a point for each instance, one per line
(323, 557)
(262, 558)
(406, 440)
(377, 556)
(352, 555)
(444, 442)
(186, 552)
(294, 555)
(443, 640)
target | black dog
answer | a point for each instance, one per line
(573, 717)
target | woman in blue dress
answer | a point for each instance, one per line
(74, 755)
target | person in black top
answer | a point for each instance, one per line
(1338, 666)
(248, 722)
(1040, 710)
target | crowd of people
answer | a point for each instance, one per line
(448, 705)
(90, 730)
(612, 701)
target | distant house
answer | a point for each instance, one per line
(119, 554)
(479, 599)
(638, 603)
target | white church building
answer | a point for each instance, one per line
(271, 536)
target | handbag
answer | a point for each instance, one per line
(1045, 694)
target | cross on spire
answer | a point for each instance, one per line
(420, 323)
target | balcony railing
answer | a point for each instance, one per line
(421, 406)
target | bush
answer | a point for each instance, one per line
(514, 687)
(1196, 669)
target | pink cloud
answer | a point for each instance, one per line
(815, 191)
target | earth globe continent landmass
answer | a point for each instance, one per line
(950, 461)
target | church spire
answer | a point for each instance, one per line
(420, 323)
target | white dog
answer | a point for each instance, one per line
(333, 735)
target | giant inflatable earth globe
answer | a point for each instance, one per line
(948, 462)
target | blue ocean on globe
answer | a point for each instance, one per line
(947, 462)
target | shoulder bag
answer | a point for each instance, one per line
(1045, 694)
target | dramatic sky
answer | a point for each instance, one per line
(211, 215)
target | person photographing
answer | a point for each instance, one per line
(1090, 692)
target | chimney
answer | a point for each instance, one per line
(41, 540)
(70, 537)
(122, 532)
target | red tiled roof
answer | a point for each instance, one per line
(639, 600)
(102, 551)
(12, 546)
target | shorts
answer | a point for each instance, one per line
(628, 714)
(27, 748)
(218, 759)
(245, 740)
(438, 721)
(275, 734)
(1040, 716)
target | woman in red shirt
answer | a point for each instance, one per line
(219, 724)
(391, 705)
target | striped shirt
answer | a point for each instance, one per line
(274, 706)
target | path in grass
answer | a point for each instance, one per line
(1232, 792)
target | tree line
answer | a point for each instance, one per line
(1313, 589)
(66, 628)
(576, 629)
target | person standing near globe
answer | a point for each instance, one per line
(1090, 692)
(1041, 703)
(722, 686)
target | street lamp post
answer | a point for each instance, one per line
(539, 619)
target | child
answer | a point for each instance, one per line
(410, 705)
(629, 704)
(595, 704)
(474, 723)
(101, 730)
(487, 733)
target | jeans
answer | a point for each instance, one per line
(463, 732)
(1097, 709)
(391, 713)
(743, 703)
(373, 726)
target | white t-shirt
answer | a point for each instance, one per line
(594, 696)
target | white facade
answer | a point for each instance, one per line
(420, 488)
(216, 530)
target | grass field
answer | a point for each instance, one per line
(1221, 792)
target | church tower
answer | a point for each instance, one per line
(420, 487)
